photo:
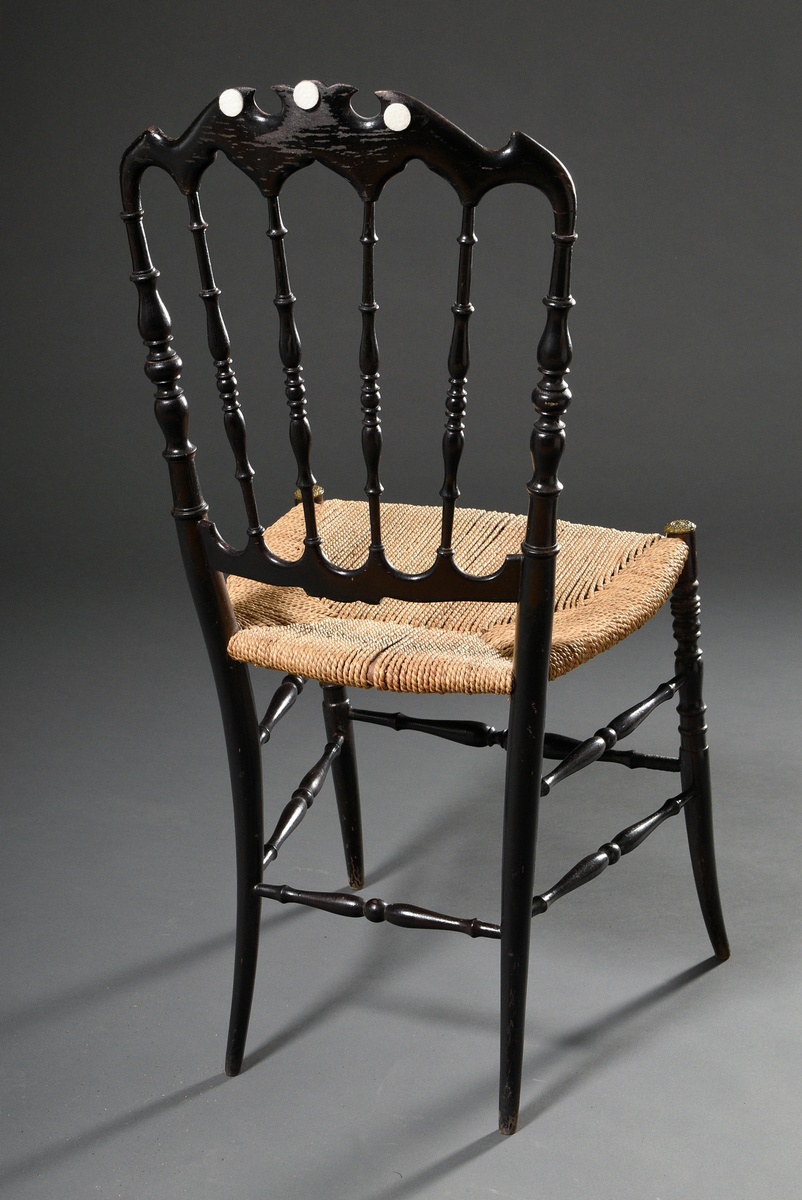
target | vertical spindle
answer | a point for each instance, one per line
(369, 368)
(290, 352)
(163, 368)
(220, 350)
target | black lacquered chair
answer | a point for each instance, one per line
(403, 597)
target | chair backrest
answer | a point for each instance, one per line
(318, 124)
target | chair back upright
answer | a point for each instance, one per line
(318, 124)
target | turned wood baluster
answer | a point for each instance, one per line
(604, 739)
(466, 733)
(302, 800)
(623, 843)
(694, 755)
(557, 745)
(290, 352)
(458, 363)
(163, 368)
(220, 349)
(282, 701)
(369, 367)
(409, 916)
(551, 398)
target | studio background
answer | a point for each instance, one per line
(679, 124)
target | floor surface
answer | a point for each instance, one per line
(651, 1073)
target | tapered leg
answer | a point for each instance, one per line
(521, 804)
(241, 729)
(518, 870)
(245, 766)
(694, 757)
(346, 781)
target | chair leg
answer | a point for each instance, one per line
(694, 756)
(346, 781)
(521, 805)
(245, 767)
(241, 729)
(518, 857)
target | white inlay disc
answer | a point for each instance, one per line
(231, 102)
(397, 117)
(306, 94)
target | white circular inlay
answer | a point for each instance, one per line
(306, 94)
(231, 102)
(397, 117)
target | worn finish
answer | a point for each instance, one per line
(271, 147)
(317, 124)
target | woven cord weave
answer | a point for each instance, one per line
(609, 583)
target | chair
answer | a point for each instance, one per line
(403, 597)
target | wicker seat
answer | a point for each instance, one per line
(401, 597)
(608, 585)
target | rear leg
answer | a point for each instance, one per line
(346, 781)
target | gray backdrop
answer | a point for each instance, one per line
(678, 123)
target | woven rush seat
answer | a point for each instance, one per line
(606, 583)
(609, 583)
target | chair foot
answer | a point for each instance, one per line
(507, 1127)
(246, 955)
(346, 781)
(699, 827)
